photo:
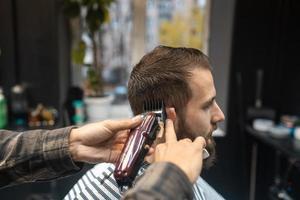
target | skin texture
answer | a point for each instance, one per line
(185, 153)
(101, 141)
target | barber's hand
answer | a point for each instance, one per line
(187, 155)
(101, 141)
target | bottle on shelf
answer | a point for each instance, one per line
(3, 110)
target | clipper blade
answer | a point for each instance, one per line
(156, 106)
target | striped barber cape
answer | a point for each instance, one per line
(99, 183)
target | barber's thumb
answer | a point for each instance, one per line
(131, 123)
(170, 134)
(200, 141)
(123, 124)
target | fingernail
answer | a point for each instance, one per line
(137, 118)
(168, 120)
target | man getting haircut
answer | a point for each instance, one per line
(182, 78)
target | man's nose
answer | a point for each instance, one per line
(218, 115)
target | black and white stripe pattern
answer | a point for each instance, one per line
(99, 183)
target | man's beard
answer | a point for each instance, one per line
(185, 132)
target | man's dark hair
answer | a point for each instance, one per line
(163, 74)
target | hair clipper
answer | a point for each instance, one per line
(138, 143)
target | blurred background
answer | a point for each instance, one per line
(62, 59)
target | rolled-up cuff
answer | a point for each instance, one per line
(56, 152)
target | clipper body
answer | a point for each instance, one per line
(137, 145)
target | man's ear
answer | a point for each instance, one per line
(171, 113)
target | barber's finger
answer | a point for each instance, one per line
(121, 137)
(200, 142)
(150, 151)
(118, 125)
(171, 113)
(170, 131)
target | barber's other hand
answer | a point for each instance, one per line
(101, 141)
(187, 155)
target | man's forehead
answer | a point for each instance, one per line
(202, 85)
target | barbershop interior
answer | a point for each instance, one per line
(67, 63)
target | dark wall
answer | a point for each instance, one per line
(220, 36)
(7, 61)
(266, 36)
(34, 46)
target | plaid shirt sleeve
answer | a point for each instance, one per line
(35, 155)
(161, 181)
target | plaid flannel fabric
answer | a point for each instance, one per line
(34, 155)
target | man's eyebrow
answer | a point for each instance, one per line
(210, 101)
